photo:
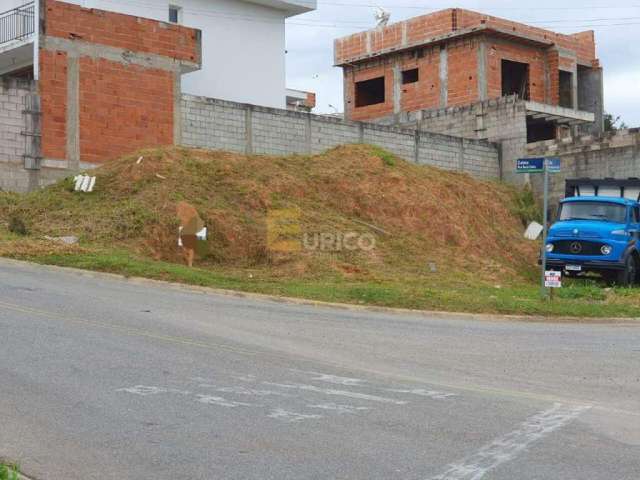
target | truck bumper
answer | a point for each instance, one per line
(587, 265)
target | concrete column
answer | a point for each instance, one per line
(483, 87)
(574, 87)
(73, 113)
(444, 77)
(397, 88)
(177, 108)
(248, 128)
(307, 134)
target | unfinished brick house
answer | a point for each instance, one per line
(456, 58)
(107, 84)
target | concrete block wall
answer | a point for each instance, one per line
(502, 121)
(223, 125)
(18, 133)
(615, 155)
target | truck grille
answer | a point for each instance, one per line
(577, 247)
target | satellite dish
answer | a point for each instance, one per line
(382, 16)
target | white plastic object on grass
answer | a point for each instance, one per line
(533, 231)
(84, 183)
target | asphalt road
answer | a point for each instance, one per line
(104, 378)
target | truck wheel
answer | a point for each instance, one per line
(627, 276)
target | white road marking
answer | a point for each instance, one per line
(251, 391)
(347, 381)
(221, 402)
(144, 390)
(506, 448)
(246, 378)
(341, 393)
(287, 416)
(339, 408)
(436, 395)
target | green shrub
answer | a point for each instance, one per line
(17, 226)
(8, 472)
(386, 157)
(525, 206)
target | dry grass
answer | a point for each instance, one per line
(463, 225)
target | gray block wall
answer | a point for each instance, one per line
(223, 125)
(21, 168)
(614, 155)
(502, 121)
(12, 139)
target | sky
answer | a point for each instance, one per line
(616, 24)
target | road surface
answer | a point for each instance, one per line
(105, 378)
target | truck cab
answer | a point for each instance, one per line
(598, 230)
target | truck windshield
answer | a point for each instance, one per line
(605, 211)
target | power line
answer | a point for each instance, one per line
(345, 24)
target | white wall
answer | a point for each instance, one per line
(243, 45)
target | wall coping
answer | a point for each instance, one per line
(617, 139)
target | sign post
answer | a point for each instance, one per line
(545, 166)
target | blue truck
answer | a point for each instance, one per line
(598, 230)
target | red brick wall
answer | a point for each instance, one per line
(137, 34)
(123, 108)
(53, 98)
(553, 88)
(463, 70)
(370, 111)
(498, 50)
(426, 92)
(426, 27)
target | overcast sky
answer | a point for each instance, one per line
(617, 26)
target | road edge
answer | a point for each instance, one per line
(322, 304)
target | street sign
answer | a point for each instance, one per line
(553, 165)
(530, 165)
(552, 279)
(543, 165)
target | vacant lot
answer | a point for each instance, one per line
(355, 225)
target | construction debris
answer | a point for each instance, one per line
(84, 183)
(533, 231)
(69, 240)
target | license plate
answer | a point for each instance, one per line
(573, 268)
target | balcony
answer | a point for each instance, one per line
(17, 33)
(17, 24)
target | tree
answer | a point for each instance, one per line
(611, 123)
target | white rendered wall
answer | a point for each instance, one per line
(243, 45)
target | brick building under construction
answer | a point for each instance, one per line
(456, 58)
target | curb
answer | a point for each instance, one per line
(491, 317)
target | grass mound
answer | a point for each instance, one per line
(421, 218)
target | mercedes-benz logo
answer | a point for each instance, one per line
(575, 247)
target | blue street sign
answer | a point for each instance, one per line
(536, 165)
(530, 165)
(553, 164)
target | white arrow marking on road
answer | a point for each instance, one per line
(511, 445)
(342, 393)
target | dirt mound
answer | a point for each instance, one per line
(354, 210)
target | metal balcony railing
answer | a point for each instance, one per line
(18, 23)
